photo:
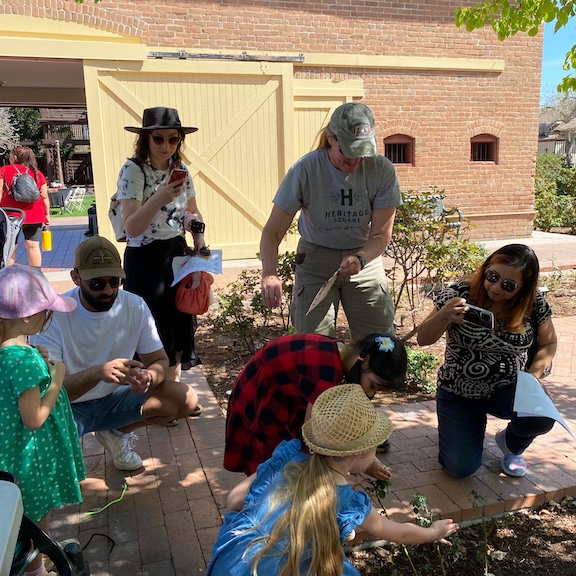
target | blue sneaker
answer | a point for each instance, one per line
(512, 464)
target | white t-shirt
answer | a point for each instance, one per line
(82, 339)
(336, 207)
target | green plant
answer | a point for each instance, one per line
(425, 517)
(553, 279)
(421, 367)
(426, 250)
(508, 18)
(549, 172)
(285, 272)
(553, 210)
(378, 489)
(477, 500)
(242, 312)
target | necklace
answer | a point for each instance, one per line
(337, 472)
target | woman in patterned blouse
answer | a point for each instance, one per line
(481, 364)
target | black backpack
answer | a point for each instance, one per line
(24, 188)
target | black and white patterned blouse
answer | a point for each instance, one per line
(139, 182)
(479, 360)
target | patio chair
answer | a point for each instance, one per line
(75, 199)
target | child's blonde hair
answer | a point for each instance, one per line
(309, 522)
(344, 423)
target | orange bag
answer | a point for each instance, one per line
(194, 300)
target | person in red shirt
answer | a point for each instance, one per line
(22, 160)
(274, 393)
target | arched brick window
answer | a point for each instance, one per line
(399, 149)
(484, 148)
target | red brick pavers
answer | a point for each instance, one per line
(168, 519)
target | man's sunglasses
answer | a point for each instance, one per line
(98, 284)
(159, 140)
(493, 277)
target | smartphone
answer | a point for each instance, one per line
(479, 316)
(177, 174)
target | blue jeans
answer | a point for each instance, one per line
(119, 409)
(462, 426)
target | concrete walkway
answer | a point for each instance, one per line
(168, 519)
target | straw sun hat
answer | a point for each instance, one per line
(344, 422)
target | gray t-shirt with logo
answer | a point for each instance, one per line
(336, 208)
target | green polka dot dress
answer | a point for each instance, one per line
(47, 461)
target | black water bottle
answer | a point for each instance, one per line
(74, 553)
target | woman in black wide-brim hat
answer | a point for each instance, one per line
(153, 209)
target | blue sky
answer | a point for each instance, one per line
(555, 48)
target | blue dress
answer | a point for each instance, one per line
(231, 554)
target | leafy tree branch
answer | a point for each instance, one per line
(507, 18)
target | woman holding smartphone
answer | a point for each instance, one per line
(155, 191)
(481, 363)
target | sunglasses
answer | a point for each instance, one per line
(159, 140)
(507, 285)
(98, 284)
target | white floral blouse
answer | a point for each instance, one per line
(139, 182)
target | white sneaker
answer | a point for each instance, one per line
(121, 446)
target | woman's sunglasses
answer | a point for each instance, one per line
(507, 285)
(98, 284)
(159, 140)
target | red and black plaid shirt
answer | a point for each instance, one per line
(269, 399)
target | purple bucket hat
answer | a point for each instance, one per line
(25, 291)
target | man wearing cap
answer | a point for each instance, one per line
(111, 393)
(347, 195)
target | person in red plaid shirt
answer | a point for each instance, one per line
(274, 393)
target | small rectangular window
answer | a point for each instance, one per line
(484, 148)
(399, 149)
(397, 153)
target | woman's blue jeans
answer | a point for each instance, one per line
(462, 426)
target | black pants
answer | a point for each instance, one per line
(149, 274)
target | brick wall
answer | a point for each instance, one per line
(440, 110)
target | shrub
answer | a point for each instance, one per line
(426, 250)
(421, 371)
(554, 211)
(242, 312)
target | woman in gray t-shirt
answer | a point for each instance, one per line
(347, 196)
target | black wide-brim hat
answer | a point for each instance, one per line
(160, 118)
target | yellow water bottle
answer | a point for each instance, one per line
(46, 239)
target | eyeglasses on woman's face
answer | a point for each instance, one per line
(159, 140)
(507, 284)
(98, 284)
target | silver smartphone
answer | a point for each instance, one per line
(479, 316)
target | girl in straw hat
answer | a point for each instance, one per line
(39, 441)
(296, 511)
(275, 391)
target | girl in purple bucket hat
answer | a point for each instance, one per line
(39, 441)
